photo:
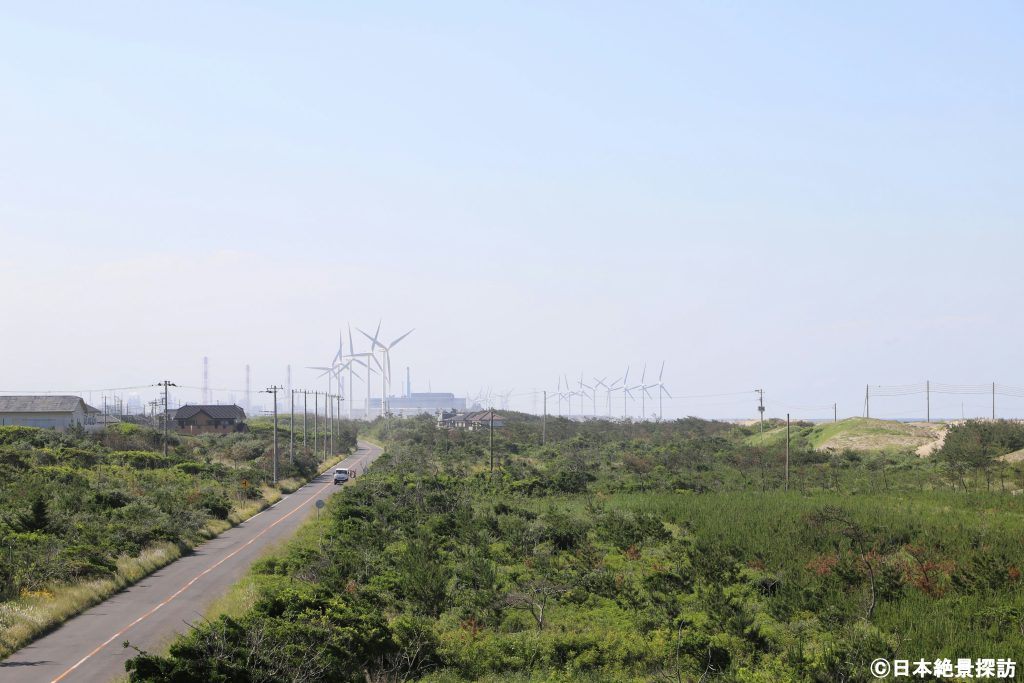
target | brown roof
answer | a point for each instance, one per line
(217, 412)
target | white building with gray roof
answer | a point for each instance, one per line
(47, 412)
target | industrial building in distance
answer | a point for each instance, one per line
(417, 404)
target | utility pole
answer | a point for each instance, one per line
(993, 401)
(305, 410)
(787, 451)
(867, 400)
(760, 409)
(291, 422)
(316, 418)
(835, 413)
(544, 422)
(165, 384)
(328, 431)
(491, 442)
(273, 390)
(928, 400)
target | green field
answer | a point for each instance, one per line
(636, 552)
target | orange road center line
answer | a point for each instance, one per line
(198, 576)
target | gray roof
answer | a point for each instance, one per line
(41, 404)
(483, 416)
(217, 412)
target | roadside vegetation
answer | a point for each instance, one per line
(83, 515)
(631, 552)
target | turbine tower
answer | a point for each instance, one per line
(626, 394)
(569, 393)
(364, 360)
(609, 388)
(662, 391)
(644, 393)
(583, 394)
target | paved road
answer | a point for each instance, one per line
(87, 649)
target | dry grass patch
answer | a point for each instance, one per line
(35, 613)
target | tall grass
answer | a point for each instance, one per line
(36, 613)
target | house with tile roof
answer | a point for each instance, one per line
(206, 419)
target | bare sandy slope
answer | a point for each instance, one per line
(1016, 456)
(865, 434)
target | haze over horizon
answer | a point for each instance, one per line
(802, 198)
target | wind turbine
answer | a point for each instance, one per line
(601, 383)
(358, 357)
(626, 395)
(609, 388)
(385, 367)
(644, 393)
(583, 394)
(662, 391)
(341, 365)
(337, 367)
(567, 395)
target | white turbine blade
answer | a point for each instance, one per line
(392, 344)
(373, 340)
(662, 386)
(662, 371)
(351, 348)
(339, 353)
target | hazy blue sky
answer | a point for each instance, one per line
(806, 197)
